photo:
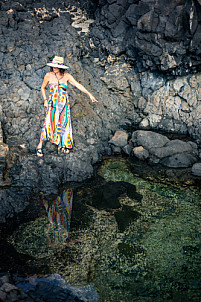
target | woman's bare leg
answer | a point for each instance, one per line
(40, 144)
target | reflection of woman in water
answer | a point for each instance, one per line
(59, 215)
(57, 125)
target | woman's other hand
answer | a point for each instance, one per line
(92, 98)
(46, 104)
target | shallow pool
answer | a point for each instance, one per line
(133, 232)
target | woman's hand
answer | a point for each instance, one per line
(46, 104)
(69, 78)
(92, 98)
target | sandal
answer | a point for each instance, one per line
(39, 152)
(64, 150)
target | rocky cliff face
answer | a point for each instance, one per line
(154, 34)
(117, 50)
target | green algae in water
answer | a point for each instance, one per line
(114, 165)
(146, 249)
(170, 265)
(33, 238)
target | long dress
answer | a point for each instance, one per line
(57, 126)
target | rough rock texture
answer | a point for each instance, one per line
(52, 288)
(180, 160)
(149, 139)
(30, 175)
(3, 152)
(157, 35)
(51, 171)
(172, 147)
(10, 292)
(173, 106)
(154, 36)
(33, 32)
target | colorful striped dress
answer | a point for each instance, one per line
(57, 126)
(59, 215)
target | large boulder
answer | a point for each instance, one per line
(172, 147)
(149, 139)
(182, 160)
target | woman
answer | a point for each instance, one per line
(57, 126)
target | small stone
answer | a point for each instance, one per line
(3, 150)
(115, 149)
(96, 60)
(144, 124)
(4, 278)
(91, 141)
(141, 153)
(127, 149)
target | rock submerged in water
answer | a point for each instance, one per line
(157, 148)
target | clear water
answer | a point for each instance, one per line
(132, 233)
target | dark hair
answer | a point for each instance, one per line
(61, 70)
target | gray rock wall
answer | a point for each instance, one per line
(157, 35)
(33, 32)
(173, 105)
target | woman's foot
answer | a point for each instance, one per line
(63, 149)
(39, 152)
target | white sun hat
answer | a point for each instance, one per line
(58, 62)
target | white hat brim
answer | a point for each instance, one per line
(57, 65)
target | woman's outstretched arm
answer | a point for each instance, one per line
(80, 87)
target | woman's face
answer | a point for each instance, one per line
(55, 69)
